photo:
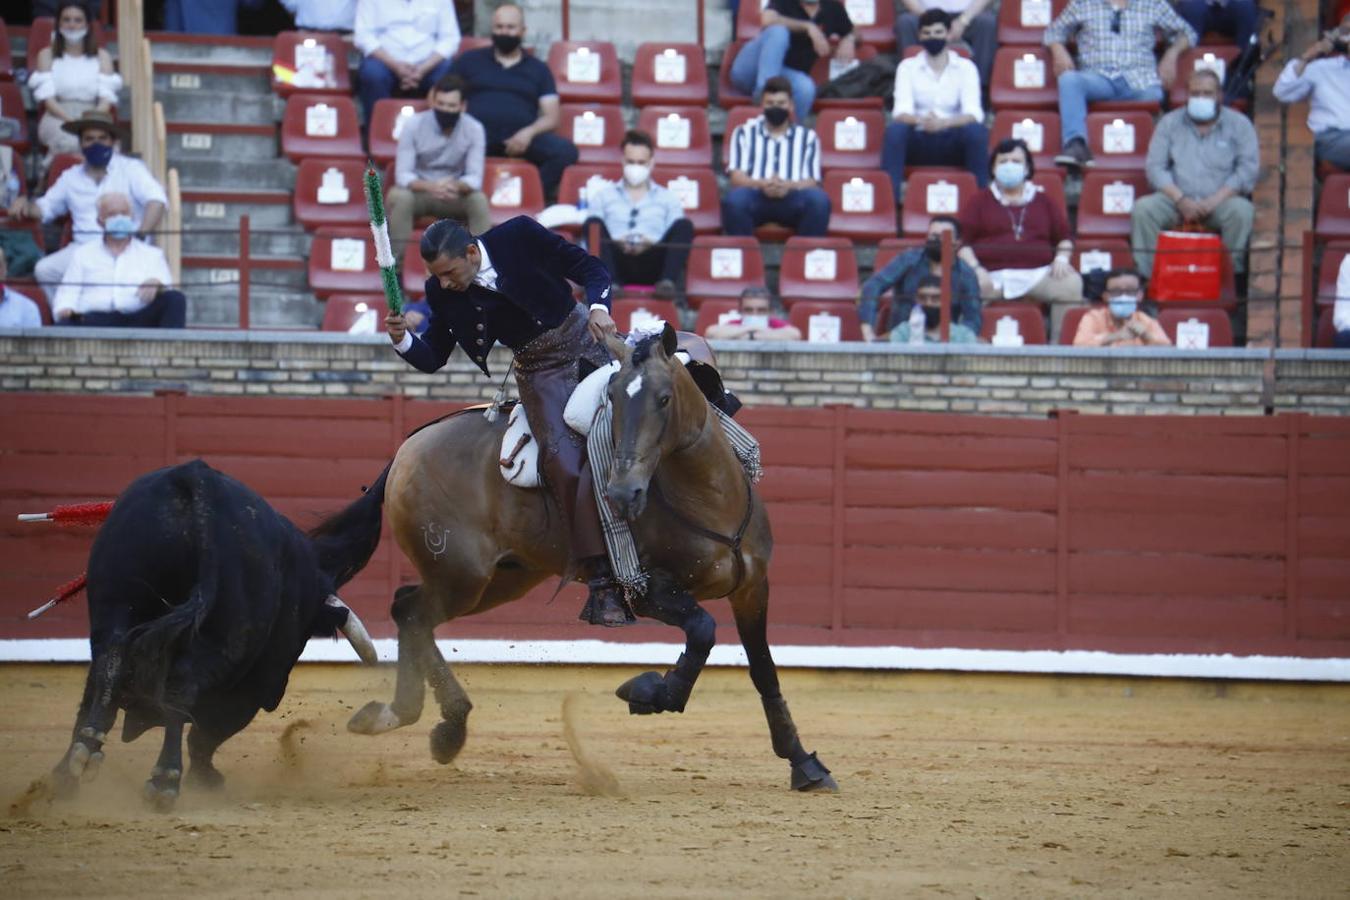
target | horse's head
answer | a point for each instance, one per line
(646, 395)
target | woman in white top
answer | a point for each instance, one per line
(73, 76)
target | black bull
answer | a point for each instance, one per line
(201, 599)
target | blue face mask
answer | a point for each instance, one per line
(98, 155)
(119, 227)
(1201, 109)
(1123, 307)
(1010, 174)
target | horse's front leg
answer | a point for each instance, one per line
(652, 692)
(415, 633)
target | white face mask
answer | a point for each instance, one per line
(636, 174)
(74, 37)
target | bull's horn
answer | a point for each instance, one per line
(356, 633)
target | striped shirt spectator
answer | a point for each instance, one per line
(793, 155)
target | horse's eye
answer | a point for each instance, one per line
(664, 401)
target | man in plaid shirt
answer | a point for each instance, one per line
(1115, 60)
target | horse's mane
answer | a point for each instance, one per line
(642, 351)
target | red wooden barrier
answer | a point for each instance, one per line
(1127, 534)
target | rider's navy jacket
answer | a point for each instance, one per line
(533, 266)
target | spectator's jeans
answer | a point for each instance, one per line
(1156, 213)
(1078, 88)
(656, 263)
(981, 36)
(404, 206)
(375, 81)
(910, 145)
(167, 310)
(1237, 18)
(550, 152)
(1333, 146)
(762, 59)
(806, 210)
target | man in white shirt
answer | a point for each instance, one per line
(16, 310)
(1340, 313)
(118, 282)
(407, 46)
(1322, 75)
(939, 120)
(77, 191)
(972, 22)
(322, 15)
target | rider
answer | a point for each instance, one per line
(510, 285)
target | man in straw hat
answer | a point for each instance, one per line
(76, 192)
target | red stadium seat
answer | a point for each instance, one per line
(623, 311)
(414, 269)
(1052, 182)
(596, 129)
(818, 268)
(586, 71)
(720, 267)
(342, 260)
(1119, 140)
(1326, 329)
(713, 310)
(342, 311)
(1038, 127)
(40, 36)
(1329, 271)
(1030, 322)
(469, 42)
(315, 60)
(1091, 255)
(932, 192)
(728, 95)
(1025, 21)
(1220, 328)
(862, 204)
(1152, 107)
(6, 54)
(670, 74)
(1106, 202)
(681, 134)
(850, 138)
(1333, 207)
(874, 23)
(849, 327)
(1068, 329)
(330, 192)
(577, 176)
(386, 124)
(736, 117)
(1023, 78)
(1216, 56)
(11, 106)
(697, 191)
(322, 126)
(513, 189)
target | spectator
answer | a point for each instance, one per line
(77, 191)
(796, 33)
(406, 47)
(205, 16)
(16, 310)
(1236, 18)
(514, 96)
(322, 15)
(775, 171)
(1120, 323)
(439, 167)
(938, 117)
(1340, 313)
(972, 23)
(754, 321)
(1017, 240)
(1322, 75)
(119, 281)
(909, 268)
(653, 236)
(72, 77)
(928, 294)
(1115, 51)
(1202, 159)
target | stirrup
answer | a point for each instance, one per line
(606, 604)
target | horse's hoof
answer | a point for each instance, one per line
(811, 775)
(645, 694)
(92, 767)
(77, 759)
(161, 791)
(374, 718)
(447, 739)
(207, 778)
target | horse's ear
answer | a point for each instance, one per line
(669, 340)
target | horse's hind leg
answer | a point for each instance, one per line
(651, 692)
(98, 712)
(449, 735)
(750, 605)
(415, 633)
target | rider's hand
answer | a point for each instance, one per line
(396, 327)
(600, 324)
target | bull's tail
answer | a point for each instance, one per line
(154, 647)
(345, 541)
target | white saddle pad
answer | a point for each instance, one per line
(519, 460)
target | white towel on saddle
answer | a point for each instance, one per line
(519, 460)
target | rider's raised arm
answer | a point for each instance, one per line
(570, 261)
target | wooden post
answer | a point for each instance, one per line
(1063, 420)
(839, 510)
(243, 271)
(173, 222)
(566, 20)
(1293, 427)
(1309, 293)
(698, 6)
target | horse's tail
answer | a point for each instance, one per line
(345, 541)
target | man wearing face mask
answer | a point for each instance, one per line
(1120, 322)
(118, 281)
(1201, 161)
(644, 236)
(438, 170)
(406, 47)
(928, 295)
(909, 268)
(1322, 76)
(513, 94)
(77, 191)
(939, 120)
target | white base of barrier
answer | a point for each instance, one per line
(593, 652)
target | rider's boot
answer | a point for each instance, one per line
(606, 604)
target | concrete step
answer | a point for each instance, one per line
(210, 106)
(218, 307)
(226, 175)
(286, 243)
(623, 22)
(188, 141)
(220, 210)
(193, 78)
(166, 48)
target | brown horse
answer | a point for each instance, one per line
(478, 542)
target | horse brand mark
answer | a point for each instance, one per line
(436, 543)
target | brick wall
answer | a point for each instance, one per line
(989, 380)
